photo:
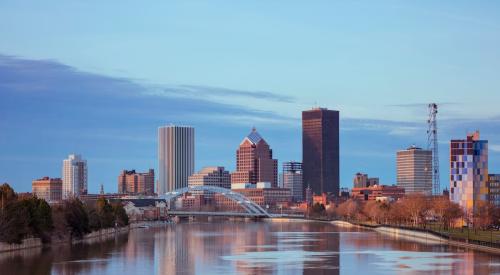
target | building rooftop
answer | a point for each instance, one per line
(254, 137)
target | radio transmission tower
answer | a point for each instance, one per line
(432, 144)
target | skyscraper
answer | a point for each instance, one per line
(320, 150)
(292, 179)
(74, 176)
(131, 182)
(468, 171)
(175, 157)
(414, 170)
(254, 161)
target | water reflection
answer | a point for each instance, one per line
(224, 247)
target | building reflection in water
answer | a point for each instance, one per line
(224, 247)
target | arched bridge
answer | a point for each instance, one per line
(252, 209)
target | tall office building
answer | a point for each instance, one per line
(48, 189)
(175, 157)
(292, 179)
(133, 183)
(468, 171)
(74, 176)
(254, 161)
(414, 170)
(320, 150)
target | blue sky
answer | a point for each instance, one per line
(99, 78)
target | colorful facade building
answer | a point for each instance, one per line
(254, 161)
(414, 170)
(320, 150)
(392, 192)
(292, 179)
(49, 189)
(494, 189)
(133, 183)
(469, 171)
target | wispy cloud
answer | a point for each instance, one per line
(420, 105)
(48, 110)
(197, 91)
(494, 147)
(395, 128)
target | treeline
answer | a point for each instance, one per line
(28, 216)
(412, 210)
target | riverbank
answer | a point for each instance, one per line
(418, 236)
(401, 233)
(89, 238)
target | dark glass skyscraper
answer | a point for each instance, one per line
(320, 150)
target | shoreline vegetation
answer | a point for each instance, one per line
(25, 219)
(435, 215)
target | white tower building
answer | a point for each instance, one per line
(74, 176)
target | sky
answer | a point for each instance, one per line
(98, 78)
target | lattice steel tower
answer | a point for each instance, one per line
(432, 144)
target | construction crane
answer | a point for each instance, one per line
(432, 144)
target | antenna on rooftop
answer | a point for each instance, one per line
(432, 144)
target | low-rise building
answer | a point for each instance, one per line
(262, 193)
(145, 209)
(362, 180)
(133, 183)
(49, 189)
(373, 192)
(210, 176)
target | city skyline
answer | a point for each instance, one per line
(381, 73)
(249, 137)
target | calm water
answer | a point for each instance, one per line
(250, 248)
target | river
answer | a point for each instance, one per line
(225, 247)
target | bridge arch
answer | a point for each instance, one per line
(250, 206)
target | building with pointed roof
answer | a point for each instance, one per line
(254, 161)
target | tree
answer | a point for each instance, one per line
(397, 214)
(105, 212)
(39, 217)
(121, 216)
(371, 210)
(439, 207)
(452, 213)
(76, 218)
(496, 217)
(13, 223)
(416, 207)
(483, 214)
(348, 209)
(7, 195)
(94, 220)
(317, 210)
